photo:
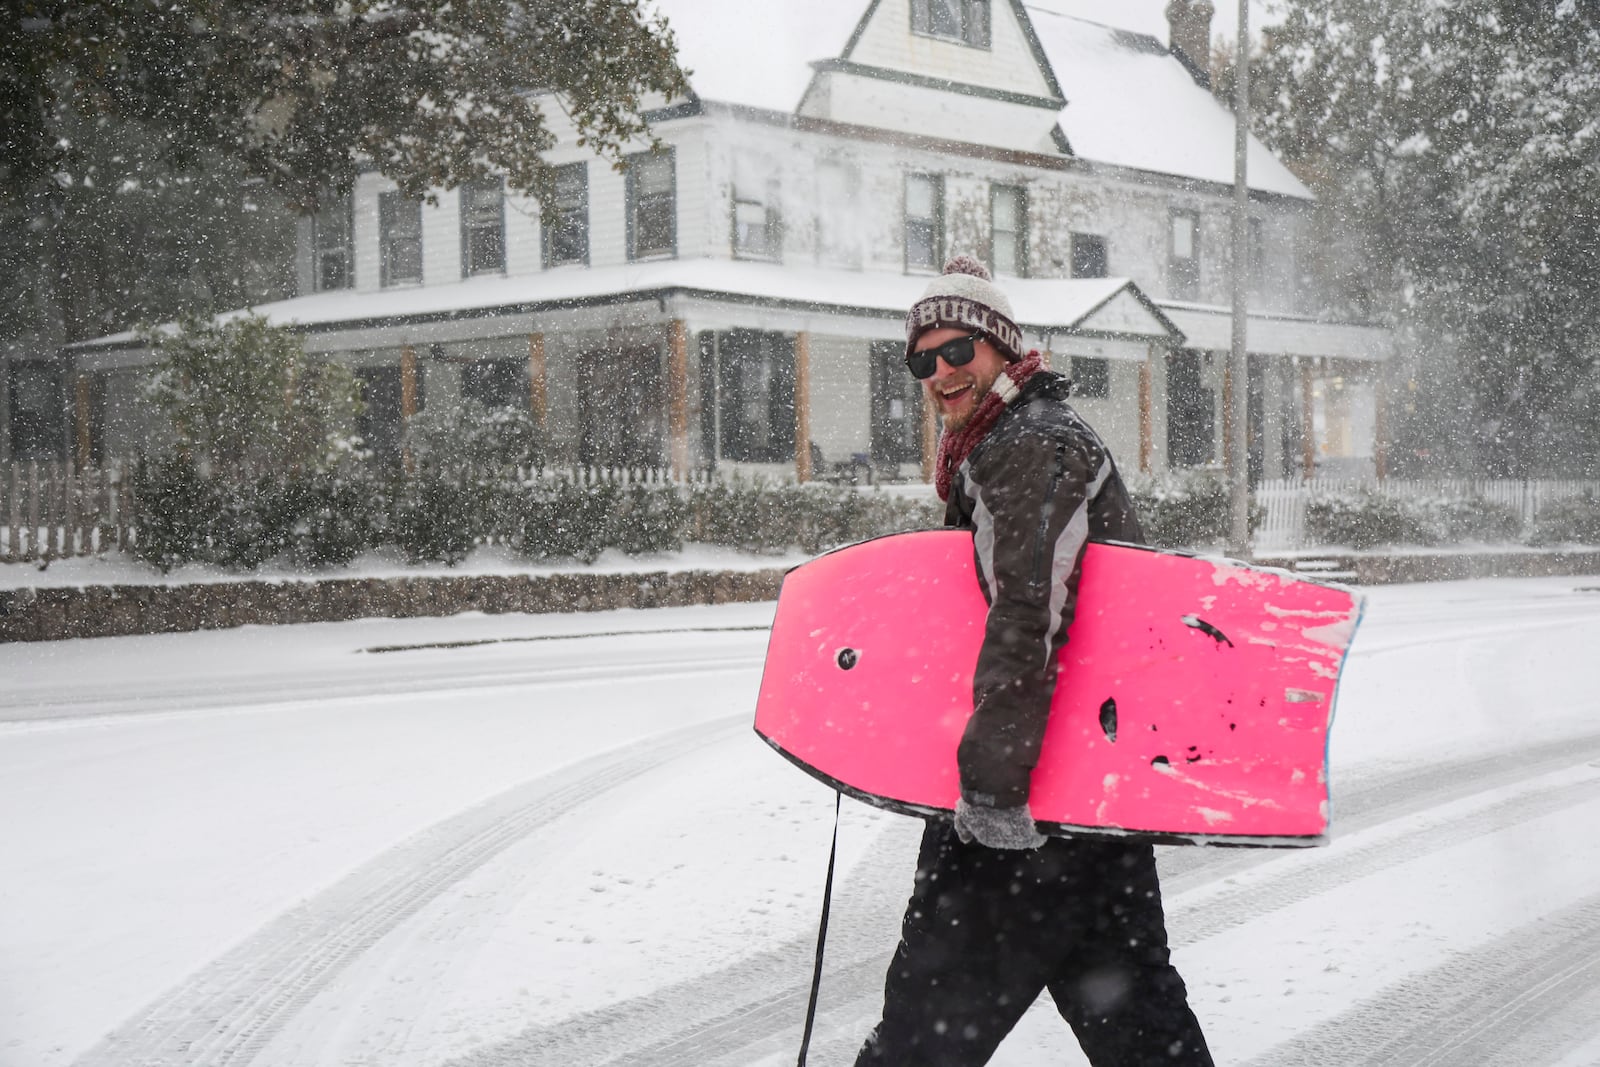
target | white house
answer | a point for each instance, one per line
(736, 299)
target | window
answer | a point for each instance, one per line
(757, 219)
(629, 429)
(566, 217)
(1088, 256)
(1191, 412)
(496, 383)
(839, 226)
(399, 239)
(963, 21)
(483, 228)
(1091, 377)
(751, 390)
(38, 410)
(1183, 259)
(896, 406)
(924, 222)
(1008, 228)
(330, 246)
(381, 423)
(652, 205)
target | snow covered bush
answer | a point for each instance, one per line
(251, 523)
(755, 515)
(1187, 509)
(1471, 518)
(566, 518)
(243, 393)
(175, 509)
(749, 514)
(431, 518)
(470, 434)
(331, 517)
(649, 519)
(1573, 520)
(1365, 518)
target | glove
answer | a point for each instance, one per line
(996, 827)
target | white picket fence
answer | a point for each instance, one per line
(51, 511)
(1283, 503)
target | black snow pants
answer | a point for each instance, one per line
(987, 930)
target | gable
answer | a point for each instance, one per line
(1012, 64)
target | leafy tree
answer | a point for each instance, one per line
(307, 92)
(152, 154)
(1452, 147)
(243, 394)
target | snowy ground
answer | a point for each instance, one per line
(278, 846)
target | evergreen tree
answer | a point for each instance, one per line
(1451, 146)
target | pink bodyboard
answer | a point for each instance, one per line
(1193, 705)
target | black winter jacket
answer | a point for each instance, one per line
(1034, 491)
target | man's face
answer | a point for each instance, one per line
(955, 392)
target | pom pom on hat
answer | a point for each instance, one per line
(965, 264)
(965, 297)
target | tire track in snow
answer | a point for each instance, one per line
(1524, 998)
(74, 709)
(227, 1012)
(691, 1024)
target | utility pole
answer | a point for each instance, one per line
(1238, 360)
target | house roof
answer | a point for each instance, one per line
(1101, 305)
(737, 56)
(1130, 102)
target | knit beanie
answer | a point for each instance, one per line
(964, 297)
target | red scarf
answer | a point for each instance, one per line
(954, 448)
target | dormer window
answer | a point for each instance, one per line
(962, 21)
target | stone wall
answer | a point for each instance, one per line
(59, 612)
(55, 613)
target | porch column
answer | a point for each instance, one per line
(81, 398)
(408, 381)
(538, 386)
(1227, 417)
(1380, 427)
(1147, 428)
(1308, 426)
(408, 397)
(678, 397)
(802, 407)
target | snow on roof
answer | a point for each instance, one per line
(1040, 304)
(1131, 103)
(758, 54)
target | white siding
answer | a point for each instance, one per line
(523, 251)
(441, 238)
(365, 228)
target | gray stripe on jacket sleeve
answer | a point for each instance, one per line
(983, 534)
(1071, 541)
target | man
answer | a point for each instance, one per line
(998, 912)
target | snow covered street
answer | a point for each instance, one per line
(496, 840)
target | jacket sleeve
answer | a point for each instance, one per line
(1031, 523)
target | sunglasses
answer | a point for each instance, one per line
(957, 353)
